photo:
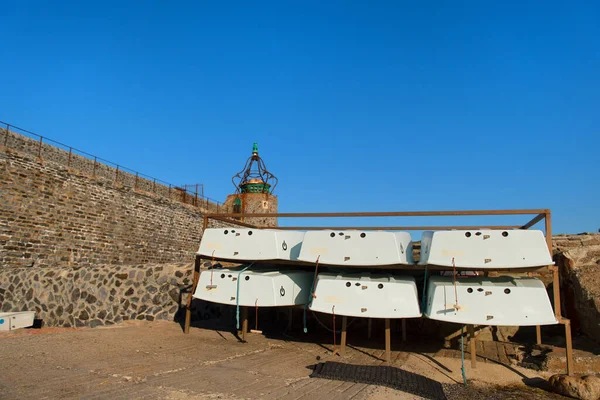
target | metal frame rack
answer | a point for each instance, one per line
(539, 215)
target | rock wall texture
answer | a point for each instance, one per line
(63, 209)
(96, 296)
(578, 257)
(255, 203)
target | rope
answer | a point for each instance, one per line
(212, 267)
(329, 329)
(456, 307)
(462, 354)
(237, 297)
(424, 290)
(334, 334)
(311, 294)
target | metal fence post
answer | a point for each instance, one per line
(70, 153)
(6, 136)
(40, 147)
(154, 186)
(136, 181)
(117, 175)
(94, 173)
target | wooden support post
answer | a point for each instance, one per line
(369, 328)
(555, 272)
(538, 334)
(471, 331)
(556, 290)
(404, 329)
(244, 323)
(570, 366)
(343, 339)
(388, 341)
(188, 311)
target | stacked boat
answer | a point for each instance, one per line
(371, 273)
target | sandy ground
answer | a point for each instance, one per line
(157, 361)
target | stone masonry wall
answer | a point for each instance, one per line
(578, 258)
(96, 296)
(52, 215)
(98, 169)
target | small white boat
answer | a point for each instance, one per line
(262, 288)
(357, 248)
(502, 301)
(485, 249)
(10, 321)
(246, 244)
(373, 295)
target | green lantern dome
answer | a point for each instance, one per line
(254, 178)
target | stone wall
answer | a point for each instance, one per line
(101, 295)
(578, 257)
(54, 215)
(255, 203)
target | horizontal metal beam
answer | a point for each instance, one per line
(392, 228)
(534, 221)
(384, 214)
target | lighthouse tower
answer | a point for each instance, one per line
(254, 186)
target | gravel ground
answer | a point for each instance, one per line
(155, 360)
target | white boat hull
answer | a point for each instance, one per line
(502, 301)
(246, 244)
(256, 288)
(366, 295)
(357, 248)
(10, 321)
(485, 249)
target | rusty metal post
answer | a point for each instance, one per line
(95, 161)
(154, 186)
(169, 191)
(388, 341)
(117, 175)
(570, 365)
(40, 147)
(188, 310)
(538, 334)
(196, 198)
(343, 339)
(471, 331)
(70, 153)
(136, 181)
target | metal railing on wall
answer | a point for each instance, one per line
(46, 148)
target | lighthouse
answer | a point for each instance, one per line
(254, 187)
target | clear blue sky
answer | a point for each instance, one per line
(356, 106)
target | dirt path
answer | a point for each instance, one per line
(157, 361)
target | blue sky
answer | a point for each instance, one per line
(356, 106)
